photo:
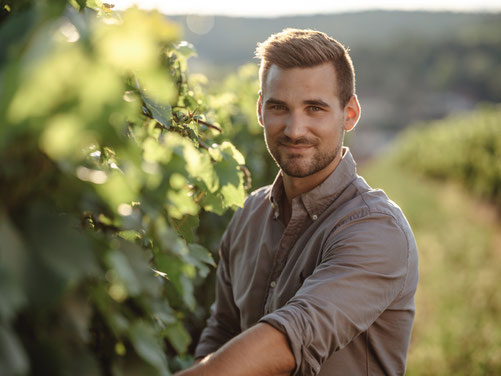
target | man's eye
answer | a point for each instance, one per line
(315, 108)
(278, 107)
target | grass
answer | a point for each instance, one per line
(457, 330)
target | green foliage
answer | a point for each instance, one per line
(465, 148)
(108, 156)
(235, 101)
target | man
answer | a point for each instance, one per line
(318, 271)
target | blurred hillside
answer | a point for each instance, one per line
(410, 65)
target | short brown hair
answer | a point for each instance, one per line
(295, 48)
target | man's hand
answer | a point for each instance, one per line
(261, 350)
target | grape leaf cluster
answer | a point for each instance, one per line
(108, 157)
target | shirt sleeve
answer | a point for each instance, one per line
(224, 321)
(363, 269)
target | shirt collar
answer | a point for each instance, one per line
(277, 193)
(324, 194)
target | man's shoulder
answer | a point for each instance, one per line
(375, 200)
(374, 205)
(259, 197)
(370, 205)
(255, 209)
(257, 203)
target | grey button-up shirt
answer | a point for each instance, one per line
(338, 281)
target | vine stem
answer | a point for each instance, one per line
(209, 125)
(203, 145)
(181, 222)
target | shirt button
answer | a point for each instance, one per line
(314, 217)
(273, 284)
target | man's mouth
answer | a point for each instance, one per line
(297, 147)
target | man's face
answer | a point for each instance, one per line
(302, 119)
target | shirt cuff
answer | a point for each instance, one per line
(288, 321)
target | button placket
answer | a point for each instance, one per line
(289, 237)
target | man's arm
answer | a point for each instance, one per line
(364, 269)
(261, 350)
(224, 321)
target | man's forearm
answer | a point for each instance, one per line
(261, 350)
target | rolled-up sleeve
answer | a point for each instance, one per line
(363, 269)
(223, 323)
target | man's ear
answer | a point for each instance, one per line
(260, 109)
(352, 113)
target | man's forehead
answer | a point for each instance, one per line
(319, 78)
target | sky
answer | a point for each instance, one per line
(268, 8)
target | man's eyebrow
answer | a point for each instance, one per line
(311, 102)
(316, 102)
(274, 101)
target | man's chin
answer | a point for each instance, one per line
(296, 171)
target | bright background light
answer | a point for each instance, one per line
(264, 8)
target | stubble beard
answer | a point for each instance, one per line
(299, 166)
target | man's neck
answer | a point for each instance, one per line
(294, 187)
(297, 186)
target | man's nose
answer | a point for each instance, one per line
(295, 126)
